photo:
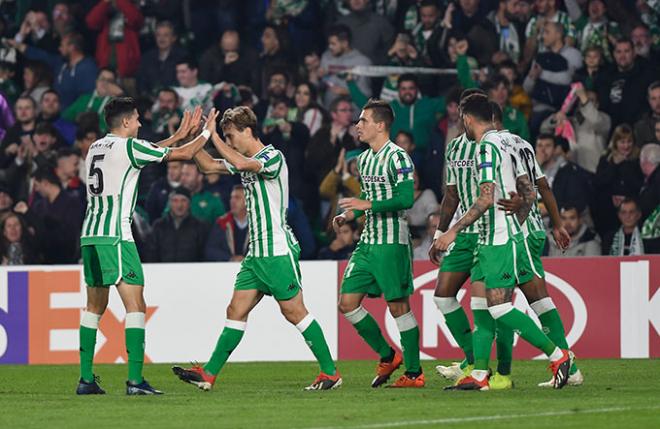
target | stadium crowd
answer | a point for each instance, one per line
(579, 79)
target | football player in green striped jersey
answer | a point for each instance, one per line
(531, 276)
(500, 173)
(271, 265)
(108, 251)
(381, 263)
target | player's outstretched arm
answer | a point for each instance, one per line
(240, 162)
(485, 201)
(208, 165)
(448, 207)
(526, 190)
(188, 150)
(561, 236)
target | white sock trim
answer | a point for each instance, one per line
(479, 374)
(235, 324)
(356, 315)
(478, 303)
(304, 324)
(90, 320)
(446, 305)
(500, 310)
(134, 320)
(556, 355)
(406, 322)
(542, 305)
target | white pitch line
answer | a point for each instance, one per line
(489, 418)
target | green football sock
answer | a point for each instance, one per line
(484, 333)
(311, 331)
(135, 345)
(88, 327)
(458, 325)
(409, 341)
(369, 330)
(504, 343)
(228, 341)
(516, 320)
(552, 324)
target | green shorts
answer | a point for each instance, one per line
(497, 264)
(379, 269)
(460, 258)
(528, 260)
(108, 264)
(278, 276)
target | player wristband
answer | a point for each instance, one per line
(437, 234)
(206, 134)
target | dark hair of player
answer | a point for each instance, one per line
(381, 111)
(470, 91)
(478, 106)
(497, 112)
(117, 109)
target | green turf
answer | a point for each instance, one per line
(617, 393)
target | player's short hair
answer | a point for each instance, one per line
(471, 91)
(117, 109)
(407, 77)
(478, 106)
(45, 128)
(240, 117)
(46, 174)
(341, 32)
(497, 112)
(381, 111)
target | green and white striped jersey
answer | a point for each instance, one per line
(113, 167)
(267, 198)
(534, 223)
(462, 173)
(380, 172)
(498, 162)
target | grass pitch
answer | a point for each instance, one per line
(617, 393)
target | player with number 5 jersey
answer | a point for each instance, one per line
(108, 250)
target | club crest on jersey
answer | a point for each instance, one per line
(374, 179)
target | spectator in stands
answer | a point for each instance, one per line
(311, 69)
(117, 46)
(546, 12)
(85, 136)
(50, 112)
(549, 79)
(406, 141)
(204, 205)
(428, 31)
(166, 114)
(178, 236)
(343, 245)
(35, 31)
(649, 196)
(518, 98)
(339, 57)
(572, 185)
(412, 113)
(8, 88)
(645, 128)
(641, 38)
(403, 54)
(6, 200)
(274, 56)
(63, 21)
(191, 90)
(591, 128)
(161, 189)
(67, 169)
(278, 83)
(158, 66)
(306, 109)
(425, 204)
(106, 88)
(510, 30)
(584, 241)
(228, 240)
(592, 71)
(340, 182)
(37, 79)
(627, 239)
(545, 156)
(624, 86)
(228, 61)
(513, 119)
(421, 250)
(75, 72)
(595, 29)
(372, 34)
(21, 131)
(57, 218)
(17, 243)
(618, 176)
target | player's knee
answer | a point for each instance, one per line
(398, 309)
(96, 308)
(346, 306)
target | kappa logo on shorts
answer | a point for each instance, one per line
(524, 272)
(291, 287)
(131, 275)
(506, 276)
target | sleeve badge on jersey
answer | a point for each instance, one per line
(484, 165)
(404, 170)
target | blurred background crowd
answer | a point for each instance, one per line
(579, 79)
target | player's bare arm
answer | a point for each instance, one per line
(240, 162)
(526, 191)
(188, 150)
(208, 165)
(448, 207)
(485, 201)
(561, 236)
